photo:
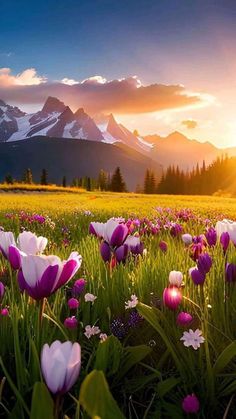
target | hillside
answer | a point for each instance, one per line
(73, 159)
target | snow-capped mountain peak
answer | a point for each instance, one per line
(55, 119)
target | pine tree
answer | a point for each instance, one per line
(102, 180)
(44, 177)
(28, 177)
(64, 182)
(117, 182)
(9, 179)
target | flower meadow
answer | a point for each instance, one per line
(117, 315)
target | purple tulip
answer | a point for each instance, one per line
(2, 290)
(121, 253)
(41, 276)
(176, 229)
(71, 322)
(184, 319)
(224, 241)
(113, 231)
(230, 272)
(197, 276)
(134, 245)
(172, 297)
(78, 287)
(73, 303)
(5, 312)
(211, 236)
(6, 240)
(204, 263)
(163, 246)
(60, 365)
(190, 404)
(105, 251)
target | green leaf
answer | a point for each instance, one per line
(225, 357)
(132, 356)
(153, 317)
(108, 355)
(163, 387)
(42, 403)
(96, 399)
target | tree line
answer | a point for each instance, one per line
(201, 180)
(104, 182)
(219, 176)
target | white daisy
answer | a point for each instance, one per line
(193, 338)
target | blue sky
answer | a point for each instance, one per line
(168, 42)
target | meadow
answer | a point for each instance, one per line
(130, 304)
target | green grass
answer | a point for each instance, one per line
(149, 371)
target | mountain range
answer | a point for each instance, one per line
(57, 121)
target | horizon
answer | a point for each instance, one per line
(158, 68)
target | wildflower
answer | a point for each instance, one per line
(193, 338)
(172, 297)
(119, 328)
(73, 303)
(187, 239)
(134, 319)
(103, 337)
(184, 319)
(190, 404)
(41, 276)
(71, 322)
(132, 302)
(89, 298)
(60, 365)
(175, 278)
(91, 331)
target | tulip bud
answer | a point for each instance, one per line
(211, 236)
(190, 404)
(187, 239)
(5, 312)
(2, 289)
(230, 272)
(163, 246)
(197, 276)
(204, 263)
(71, 322)
(224, 241)
(184, 319)
(73, 303)
(175, 278)
(78, 287)
(172, 297)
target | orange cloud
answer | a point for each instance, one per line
(95, 94)
(28, 77)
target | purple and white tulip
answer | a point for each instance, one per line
(60, 365)
(41, 276)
